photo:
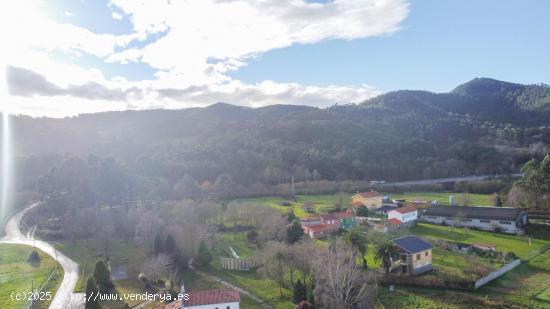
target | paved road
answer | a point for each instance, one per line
(64, 297)
(444, 180)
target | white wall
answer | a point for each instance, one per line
(477, 223)
(233, 305)
(403, 217)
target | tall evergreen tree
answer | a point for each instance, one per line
(359, 242)
(294, 233)
(205, 256)
(170, 245)
(101, 274)
(291, 216)
(91, 292)
(158, 245)
(299, 292)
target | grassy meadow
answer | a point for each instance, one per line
(322, 203)
(503, 242)
(17, 275)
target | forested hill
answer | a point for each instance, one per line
(481, 98)
(483, 126)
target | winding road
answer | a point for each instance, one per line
(64, 297)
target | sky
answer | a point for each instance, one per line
(67, 57)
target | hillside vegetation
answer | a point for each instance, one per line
(481, 127)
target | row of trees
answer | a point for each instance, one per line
(533, 189)
(325, 275)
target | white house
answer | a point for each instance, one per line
(403, 215)
(216, 299)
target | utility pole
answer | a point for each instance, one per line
(292, 187)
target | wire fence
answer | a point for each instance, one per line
(31, 300)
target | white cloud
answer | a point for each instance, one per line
(234, 30)
(116, 16)
(69, 14)
(30, 29)
(200, 42)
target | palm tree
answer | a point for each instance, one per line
(359, 242)
(385, 252)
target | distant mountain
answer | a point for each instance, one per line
(483, 98)
(483, 126)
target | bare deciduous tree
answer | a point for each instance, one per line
(340, 282)
(274, 263)
(158, 267)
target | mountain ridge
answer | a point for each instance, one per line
(483, 127)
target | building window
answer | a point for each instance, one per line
(426, 253)
(484, 221)
(418, 257)
(504, 222)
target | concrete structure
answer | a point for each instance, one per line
(415, 255)
(505, 219)
(217, 299)
(371, 200)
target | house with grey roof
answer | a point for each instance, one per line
(415, 255)
(505, 219)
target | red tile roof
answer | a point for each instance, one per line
(395, 221)
(406, 209)
(318, 228)
(369, 194)
(206, 298)
(343, 215)
(313, 218)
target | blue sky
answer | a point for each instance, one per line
(441, 44)
(86, 56)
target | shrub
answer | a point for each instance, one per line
(205, 256)
(91, 290)
(170, 245)
(34, 258)
(102, 275)
(158, 245)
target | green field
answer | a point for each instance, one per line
(322, 203)
(443, 198)
(252, 281)
(237, 242)
(527, 286)
(87, 252)
(503, 242)
(16, 275)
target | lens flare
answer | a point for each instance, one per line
(6, 148)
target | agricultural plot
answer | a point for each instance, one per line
(87, 252)
(443, 198)
(252, 281)
(527, 286)
(17, 275)
(504, 243)
(323, 203)
(320, 203)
